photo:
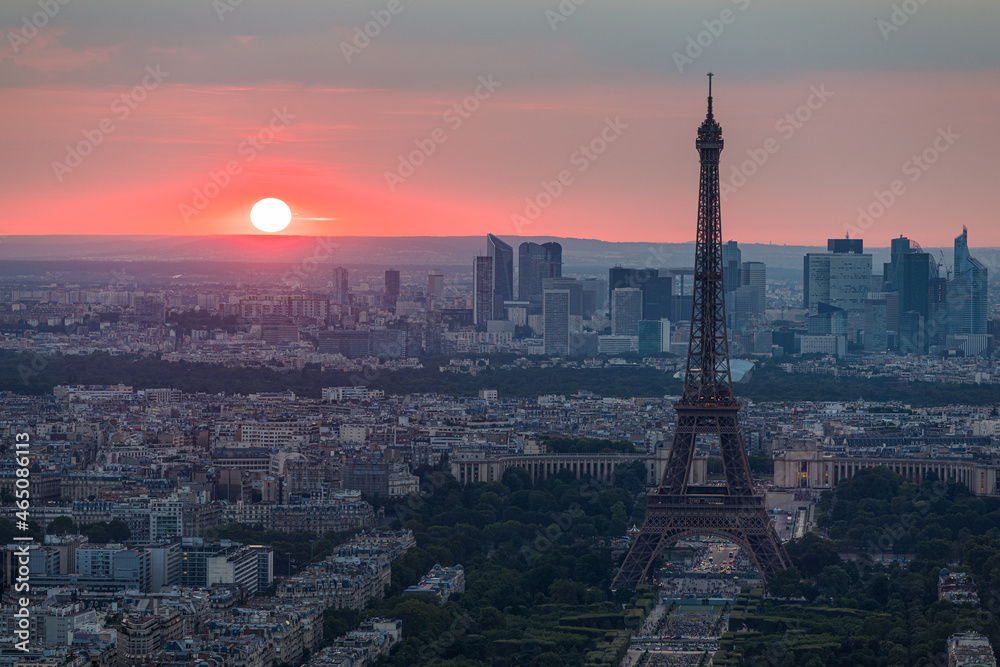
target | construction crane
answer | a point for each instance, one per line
(947, 267)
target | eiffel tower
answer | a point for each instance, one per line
(678, 509)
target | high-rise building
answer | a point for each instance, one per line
(595, 296)
(555, 317)
(657, 290)
(149, 309)
(435, 284)
(116, 563)
(535, 263)
(681, 306)
(348, 342)
(841, 277)
(827, 320)
(657, 293)
(482, 290)
(898, 246)
(553, 260)
(139, 639)
(913, 276)
(388, 343)
(966, 292)
(619, 276)
(891, 309)
(876, 319)
(503, 269)
(391, 288)
(909, 273)
(732, 262)
(937, 322)
(912, 339)
(845, 246)
(626, 311)
(754, 276)
(341, 294)
(530, 261)
(743, 312)
(575, 292)
(651, 337)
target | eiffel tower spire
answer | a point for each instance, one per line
(708, 378)
(677, 508)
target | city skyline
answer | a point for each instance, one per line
(313, 314)
(881, 147)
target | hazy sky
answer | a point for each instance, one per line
(174, 117)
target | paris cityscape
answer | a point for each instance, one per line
(387, 335)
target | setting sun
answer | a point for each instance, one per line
(270, 215)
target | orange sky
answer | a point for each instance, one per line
(149, 164)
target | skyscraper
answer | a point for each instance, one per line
(754, 276)
(841, 277)
(626, 311)
(555, 318)
(913, 273)
(846, 246)
(553, 260)
(341, 294)
(650, 334)
(391, 288)
(732, 261)
(530, 258)
(657, 291)
(876, 318)
(656, 297)
(503, 269)
(535, 263)
(482, 290)
(575, 292)
(619, 276)
(595, 296)
(828, 320)
(966, 292)
(435, 284)
(937, 321)
(909, 273)
(898, 246)
(912, 339)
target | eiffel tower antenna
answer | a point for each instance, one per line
(679, 508)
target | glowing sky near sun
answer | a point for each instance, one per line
(459, 118)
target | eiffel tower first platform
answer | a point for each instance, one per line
(678, 509)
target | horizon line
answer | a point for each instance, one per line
(414, 236)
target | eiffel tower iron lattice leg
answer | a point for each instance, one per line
(739, 519)
(679, 509)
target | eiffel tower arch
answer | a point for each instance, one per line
(678, 509)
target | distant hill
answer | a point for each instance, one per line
(581, 257)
